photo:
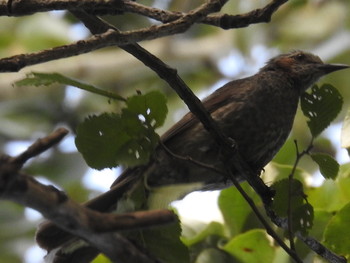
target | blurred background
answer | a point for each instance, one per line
(206, 57)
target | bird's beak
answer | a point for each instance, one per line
(328, 68)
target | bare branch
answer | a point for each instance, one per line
(225, 21)
(94, 227)
(28, 7)
(109, 38)
(112, 7)
(9, 166)
(41, 145)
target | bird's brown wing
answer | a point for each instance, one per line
(215, 101)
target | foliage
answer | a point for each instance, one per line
(25, 112)
(328, 166)
(46, 79)
(128, 138)
(335, 229)
(325, 101)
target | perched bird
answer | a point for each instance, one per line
(257, 112)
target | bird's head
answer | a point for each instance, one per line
(304, 68)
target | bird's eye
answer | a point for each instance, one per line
(300, 56)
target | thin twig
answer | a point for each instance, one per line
(9, 166)
(250, 202)
(299, 155)
(268, 228)
(225, 21)
(191, 160)
(41, 145)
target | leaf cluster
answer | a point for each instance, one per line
(126, 138)
(321, 106)
(111, 139)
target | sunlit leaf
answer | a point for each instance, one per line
(327, 197)
(213, 228)
(321, 107)
(101, 258)
(337, 233)
(250, 247)
(162, 196)
(329, 167)
(345, 132)
(46, 79)
(235, 209)
(210, 255)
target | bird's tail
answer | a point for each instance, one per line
(52, 238)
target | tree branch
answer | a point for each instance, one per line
(94, 227)
(113, 37)
(108, 38)
(112, 7)
(225, 21)
(28, 7)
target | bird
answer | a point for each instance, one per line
(257, 112)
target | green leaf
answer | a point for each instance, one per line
(303, 217)
(329, 167)
(337, 233)
(99, 138)
(101, 258)
(210, 255)
(301, 211)
(321, 220)
(235, 209)
(345, 132)
(164, 242)
(283, 171)
(212, 229)
(321, 106)
(250, 247)
(46, 79)
(152, 106)
(327, 197)
(281, 199)
(110, 140)
(162, 196)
